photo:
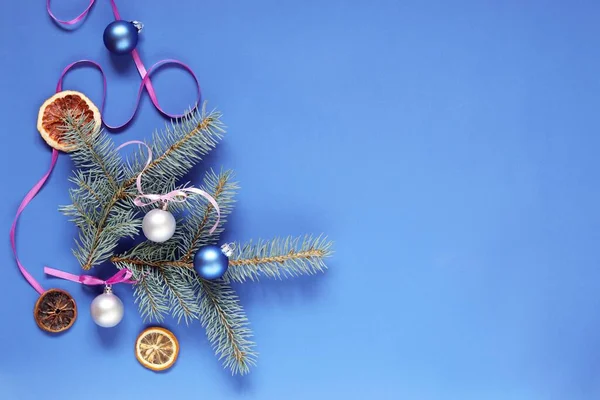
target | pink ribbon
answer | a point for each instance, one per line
(74, 20)
(123, 276)
(13, 229)
(177, 195)
(145, 74)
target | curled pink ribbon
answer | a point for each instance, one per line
(177, 195)
(13, 229)
(145, 74)
(123, 276)
(71, 21)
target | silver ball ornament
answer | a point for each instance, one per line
(158, 225)
(107, 309)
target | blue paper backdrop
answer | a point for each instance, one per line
(449, 148)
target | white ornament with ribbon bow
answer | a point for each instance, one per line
(106, 309)
(159, 224)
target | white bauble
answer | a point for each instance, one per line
(107, 309)
(158, 225)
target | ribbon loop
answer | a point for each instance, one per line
(144, 74)
(144, 83)
(177, 195)
(73, 21)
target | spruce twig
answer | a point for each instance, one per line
(102, 207)
(195, 231)
(277, 258)
(101, 176)
(179, 284)
(227, 326)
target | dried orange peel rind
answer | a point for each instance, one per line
(52, 113)
(156, 348)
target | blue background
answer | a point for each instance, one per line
(449, 148)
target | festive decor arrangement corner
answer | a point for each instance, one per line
(167, 282)
(180, 270)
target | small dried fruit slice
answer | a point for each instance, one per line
(156, 348)
(52, 114)
(55, 311)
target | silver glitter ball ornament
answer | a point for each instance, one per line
(158, 225)
(107, 309)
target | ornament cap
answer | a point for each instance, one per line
(108, 289)
(138, 25)
(227, 249)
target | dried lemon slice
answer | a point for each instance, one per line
(156, 348)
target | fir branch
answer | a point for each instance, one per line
(94, 151)
(195, 232)
(102, 207)
(134, 261)
(178, 282)
(98, 175)
(227, 326)
(165, 292)
(176, 149)
(149, 294)
(102, 175)
(278, 258)
(181, 292)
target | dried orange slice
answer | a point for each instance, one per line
(156, 348)
(51, 117)
(55, 311)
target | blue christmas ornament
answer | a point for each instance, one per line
(121, 37)
(211, 262)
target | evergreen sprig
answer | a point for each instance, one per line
(278, 258)
(227, 326)
(96, 202)
(102, 207)
(102, 201)
(176, 149)
(175, 277)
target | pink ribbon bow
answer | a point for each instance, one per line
(123, 276)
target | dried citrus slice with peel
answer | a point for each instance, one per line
(52, 114)
(156, 348)
(55, 311)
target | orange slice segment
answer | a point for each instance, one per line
(156, 348)
(54, 110)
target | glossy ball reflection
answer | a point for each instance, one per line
(107, 310)
(158, 225)
(121, 37)
(210, 262)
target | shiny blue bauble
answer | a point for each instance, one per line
(121, 37)
(210, 262)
